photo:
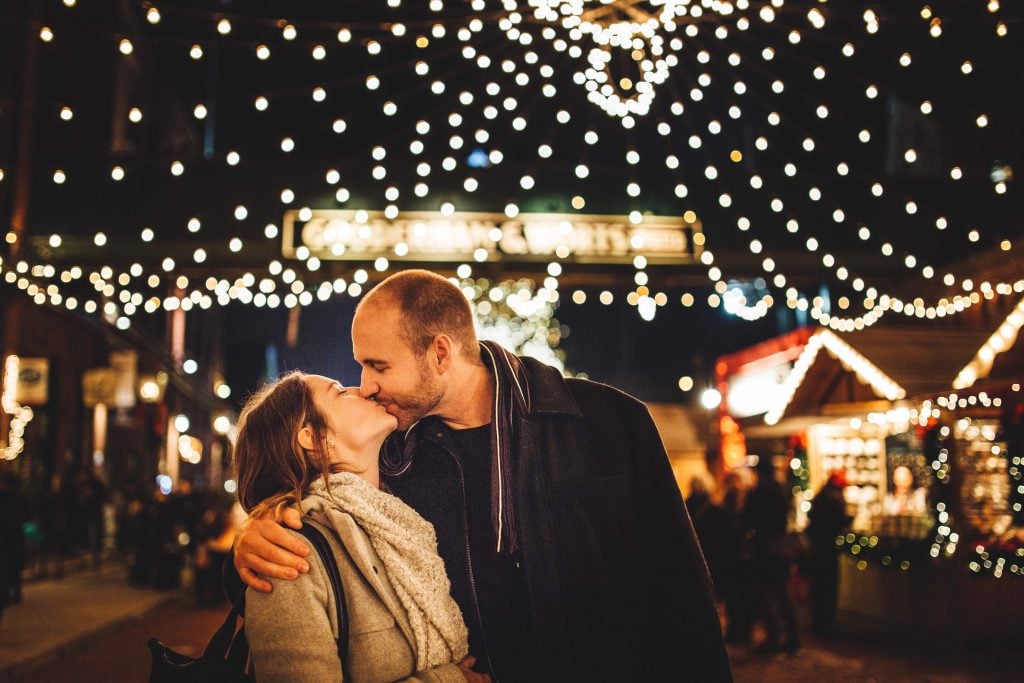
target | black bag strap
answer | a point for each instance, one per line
(323, 548)
(220, 645)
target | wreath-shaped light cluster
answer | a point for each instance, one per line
(640, 35)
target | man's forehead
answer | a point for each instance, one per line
(376, 311)
(373, 322)
(375, 334)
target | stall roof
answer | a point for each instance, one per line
(921, 360)
(911, 360)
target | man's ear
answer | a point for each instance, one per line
(444, 353)
(305, 437)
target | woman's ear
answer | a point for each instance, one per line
(305, 437)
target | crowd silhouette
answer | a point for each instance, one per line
(764, 569)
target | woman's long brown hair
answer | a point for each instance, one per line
(273, 469)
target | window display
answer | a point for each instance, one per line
(905, 511)
(858, 453)
(984, 479)
(888, 474)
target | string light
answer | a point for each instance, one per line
(1001, 340)
(865, 371)
(650, 40)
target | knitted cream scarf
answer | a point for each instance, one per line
(407, 546)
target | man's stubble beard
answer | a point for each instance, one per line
(421, 402)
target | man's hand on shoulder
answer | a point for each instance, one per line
(264, 550)
(466, 667)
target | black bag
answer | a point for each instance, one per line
(223, 660)
(226, 655)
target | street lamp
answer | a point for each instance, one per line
(149, 391)
(711, 398)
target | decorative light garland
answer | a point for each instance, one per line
(902, 552)
(997, 557)
(1001, 340)
(864, 369)
(20, 415)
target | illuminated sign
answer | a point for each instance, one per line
(33, 380)
(125, 364)
(432, 236)
(99, 385)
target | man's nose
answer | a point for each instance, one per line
(367, 387)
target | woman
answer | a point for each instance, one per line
(308, 440)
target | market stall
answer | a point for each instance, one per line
(935, 474)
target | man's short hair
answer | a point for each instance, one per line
(430, 305)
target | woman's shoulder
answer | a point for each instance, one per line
(293, 629)
(293, 596)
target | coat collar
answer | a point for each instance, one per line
(548, 390)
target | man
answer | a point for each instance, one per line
(561, 526)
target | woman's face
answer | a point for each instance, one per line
(353, 422)
(902, 478)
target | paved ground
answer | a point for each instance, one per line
(93, 627)
(875, 661)
(58, 614)
(119, 652)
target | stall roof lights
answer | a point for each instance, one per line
(864, 369)
(1001, 340)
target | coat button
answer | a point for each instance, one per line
(375, 571)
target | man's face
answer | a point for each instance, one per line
(393, 375)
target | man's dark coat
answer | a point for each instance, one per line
(616, 578)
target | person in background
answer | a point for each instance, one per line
(827, 519)
(12, 543)
(215, 536)
(905, 498)
(711, 522)
(162, 550)
(563, 530)
(765, 517)
(54, 522)
(90, 498)
(12, 521)
(186, 509)
(308, 440)
(5, 571)
(734, 587)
